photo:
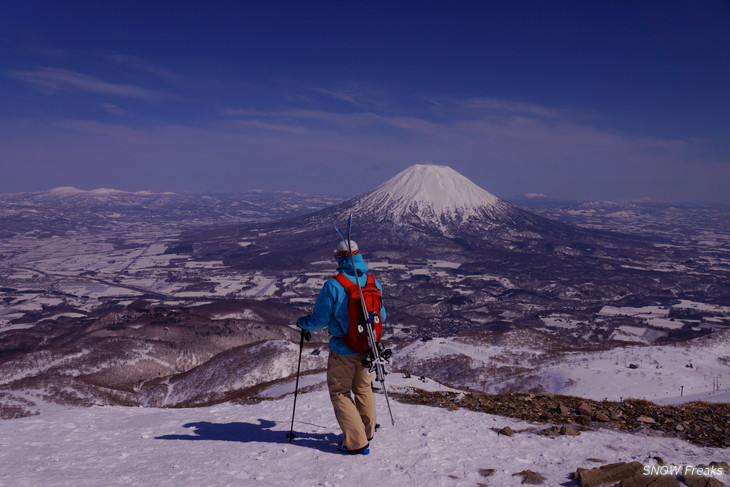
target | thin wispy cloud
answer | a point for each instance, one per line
(473, 117)
(53, 80)
(506, 106)
(49, 53)
(138, 64)
(363, 97)
(306, 117)
(274, 127)
(243, 112)
(483, 106)
(115, 110)
(417, 114)
(346, 96)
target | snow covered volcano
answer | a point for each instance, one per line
(430, 201)
(432, 194)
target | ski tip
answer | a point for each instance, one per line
(337, 229)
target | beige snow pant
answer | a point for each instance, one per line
(346, 375)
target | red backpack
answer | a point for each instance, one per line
(356, 337)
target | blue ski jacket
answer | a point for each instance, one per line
(331, 305)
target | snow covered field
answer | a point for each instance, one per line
(84, 271)
(236, 445)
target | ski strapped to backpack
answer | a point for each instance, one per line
(376, 357)
(356, 337)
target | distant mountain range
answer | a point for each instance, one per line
(60, 210)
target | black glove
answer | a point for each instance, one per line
(305, 333)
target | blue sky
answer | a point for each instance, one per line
(571, 99)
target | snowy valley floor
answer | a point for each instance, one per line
(241, 445)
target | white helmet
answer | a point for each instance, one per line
(341, 250)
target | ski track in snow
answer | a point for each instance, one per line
(237, 445)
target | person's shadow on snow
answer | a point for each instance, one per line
(250, 432)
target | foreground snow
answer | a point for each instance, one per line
(236, 445)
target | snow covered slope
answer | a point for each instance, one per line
(233, 445)
(520, 361)
(230, 372)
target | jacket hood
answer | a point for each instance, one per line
(344, 264)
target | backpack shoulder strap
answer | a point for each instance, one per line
(371, 281)
(344, 281)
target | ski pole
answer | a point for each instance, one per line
(291, 434)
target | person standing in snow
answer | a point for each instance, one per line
(346, 375)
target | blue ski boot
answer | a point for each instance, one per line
(360, 451)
